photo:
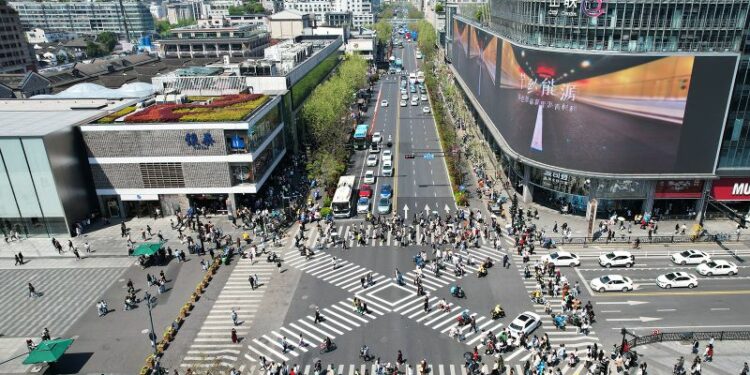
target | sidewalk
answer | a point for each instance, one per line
(729, 357)
(106, 241)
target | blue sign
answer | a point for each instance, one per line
(429, 156)
(208, 140)
(191, 139)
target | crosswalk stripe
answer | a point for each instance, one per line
(314, 327)
(326, 325)
(304, 331)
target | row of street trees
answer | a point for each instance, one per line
(326, 115)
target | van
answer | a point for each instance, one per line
(387, 168)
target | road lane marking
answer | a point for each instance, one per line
(610, 311)
(682, 294)
(683, 327)
(665, 310)
(719, 309)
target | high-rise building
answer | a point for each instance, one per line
(87, 17)
(14, 52)
(614, 106)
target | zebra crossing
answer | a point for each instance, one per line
(434, 369)
(212, 346)
(448, 277)
(338, 319)
(66, 293)
(346, 275)
(570, 337)
(344, 232)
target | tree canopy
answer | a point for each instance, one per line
(247, 7)
(107, 39)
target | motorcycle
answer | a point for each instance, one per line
(498, 312)
(464, 318)
(457, 292)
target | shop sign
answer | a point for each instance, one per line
(731, 189)
(688, 189)
(570, 8)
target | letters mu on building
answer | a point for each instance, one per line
(177, 151)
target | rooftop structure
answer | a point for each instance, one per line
(14, 52)
(215, 42)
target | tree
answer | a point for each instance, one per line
(247, 7)
(439, 8)
(107, 39)
(383, 30)
(94, 50)
(163, 26)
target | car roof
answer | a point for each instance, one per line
(369, 172)
(720, 261)
(620, 252)
(614, 277)
(363, 199)
(365, 187)
(526, 315)
(385, 187)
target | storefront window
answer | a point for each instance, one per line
(259, 131)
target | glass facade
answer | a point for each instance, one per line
(624, 25)
(735, 145)
(31, 206)
(258, 132)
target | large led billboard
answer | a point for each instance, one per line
(599, 112)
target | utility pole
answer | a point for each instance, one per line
(152, 332)
(125, 21)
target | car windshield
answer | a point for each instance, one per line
(554, 255)
(363, 200)
(671, 276)
(711, 264)
(515, 326)
(383, 201)
(685, 253)
(610, 255)
(604, 279)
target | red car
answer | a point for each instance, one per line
(365, 191)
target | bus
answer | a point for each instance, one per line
(360, 136)
(342, 199)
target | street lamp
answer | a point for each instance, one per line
(151, 333)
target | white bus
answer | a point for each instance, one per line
(342, 203)
(420, 76)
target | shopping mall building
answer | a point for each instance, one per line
(613, 105)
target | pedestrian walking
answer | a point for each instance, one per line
(234, 336)
(278, 265)
(362, 281)
(251, 280)
(334, 262)
(318, 317)
(87, 247)
(234, 316)
(32, 291)
(506, 261)
(18, 261)
(148, 229)
(426, 304)
(20, 257)
(75, 252)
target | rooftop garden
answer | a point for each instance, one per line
(221, 108)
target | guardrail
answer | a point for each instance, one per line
(658, 336)
(630, 239)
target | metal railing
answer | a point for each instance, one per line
(645, 240)
(658, 336)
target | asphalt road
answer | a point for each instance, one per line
(718, 303)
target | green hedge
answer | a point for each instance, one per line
(305, 86)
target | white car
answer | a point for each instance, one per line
(363, 205)
(562, 259)
(423, 97)
(387, 168)
(525, 323)
(384, 103)
(402, 103)
(612, 283)
(369, 177)
(425, 109)
(690, 257)
(717, 267)
(415, 102)
(403, 91)
(404, 96)
(617, 258)
(372, 160)
(376, 137)
(387, 155)
(677, 280)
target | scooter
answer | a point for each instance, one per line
(498, 312)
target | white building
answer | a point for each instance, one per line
(158, 10)
(185, 11)
(218, 8)
(361, 11)
(288, 24)
(318, 8)
(38, 35)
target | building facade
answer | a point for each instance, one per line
(146, 160)
(560, 91)
(87, 17)
(45, 184)
(14, 51)
(233, 41)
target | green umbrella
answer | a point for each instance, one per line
(48, 351)
(147, 248)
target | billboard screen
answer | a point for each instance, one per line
(603, 113)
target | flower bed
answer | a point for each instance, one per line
(114, 116)
(222, 108)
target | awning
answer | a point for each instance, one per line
(48, 351)
(146, 248)
(139, 197)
